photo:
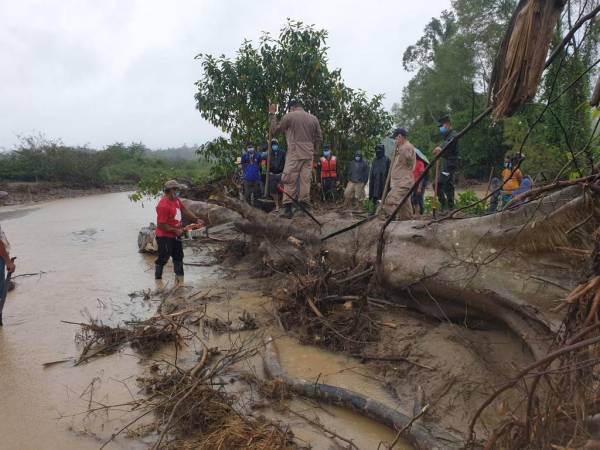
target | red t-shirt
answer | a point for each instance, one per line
(419, 169)
(168, 211)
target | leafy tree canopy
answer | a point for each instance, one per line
(234, 93)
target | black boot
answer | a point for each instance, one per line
(178, 267)
(158, 270)
(1, 319)
(287, 211)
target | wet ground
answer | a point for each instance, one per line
(84, 254)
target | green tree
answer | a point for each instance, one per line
(234, 93)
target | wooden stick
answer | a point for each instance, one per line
(268, 161)
(314, 308)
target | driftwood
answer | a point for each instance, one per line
(415, 433)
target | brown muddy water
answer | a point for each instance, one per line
(87, 251)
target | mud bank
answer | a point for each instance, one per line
(23, 193)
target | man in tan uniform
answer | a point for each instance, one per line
(401, 176)
(304, 137)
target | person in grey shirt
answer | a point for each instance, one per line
(358, 175)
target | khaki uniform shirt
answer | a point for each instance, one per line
(302, 133)
(403, 164)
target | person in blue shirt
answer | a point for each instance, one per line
(251, 174)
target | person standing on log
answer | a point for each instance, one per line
(380, 167)
(6, 264)
(170, 229)
(327, 174)
(358, 175)
(275, 170)
(303, 135)
(401, 176)
(445, 186)
(251, 163)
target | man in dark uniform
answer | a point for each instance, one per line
(446, 180)
(379, 171)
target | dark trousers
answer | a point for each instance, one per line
(3, 286)
(418, 202)
(169, 248)
(329, 188)
(445, 190)
(252, 191)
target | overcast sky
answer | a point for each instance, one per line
(98, 72)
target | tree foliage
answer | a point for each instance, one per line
(452, 62)
(234, 93)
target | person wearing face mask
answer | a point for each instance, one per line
(251, 170)
(276, 170)
(511, 179)
(327, 173)
(169, 230)
(401, 176)
(379, 172)
(446, 180)
(358, 175)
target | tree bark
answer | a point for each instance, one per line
(509, 267)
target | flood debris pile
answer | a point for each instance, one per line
(328, 309)
(145, 337)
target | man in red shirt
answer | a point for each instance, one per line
(170, 228)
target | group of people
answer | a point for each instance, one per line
(287, 179)
(511, 185)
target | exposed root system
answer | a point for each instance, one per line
(316, 307)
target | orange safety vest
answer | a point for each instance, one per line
(328, 168)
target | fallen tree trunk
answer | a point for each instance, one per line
(416, 434)
(511, 267)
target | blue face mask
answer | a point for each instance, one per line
(357, 158)
(443, 130)
(327, 153)
(177, 194)
(275, 148)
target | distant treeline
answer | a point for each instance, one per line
(39, 159)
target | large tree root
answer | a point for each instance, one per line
(416, 434)
(509, 267)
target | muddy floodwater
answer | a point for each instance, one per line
(84, 260)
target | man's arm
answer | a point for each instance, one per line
(10, 266)
(278, 127)
(318, 138)
(188, 213)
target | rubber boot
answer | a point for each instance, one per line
(158, 270)
(287, 212)
(159, 285)
(179, 281)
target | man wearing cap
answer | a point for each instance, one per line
(169, 230)
(445, 186)
(6, 264)
(251, 160)
(401, 176)
(303, 135)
